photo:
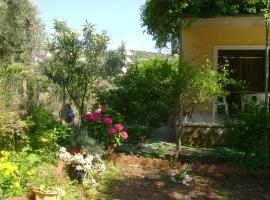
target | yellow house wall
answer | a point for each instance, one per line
(198, 43)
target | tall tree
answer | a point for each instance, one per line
(21, 30)
(76, 62)
(115, 61)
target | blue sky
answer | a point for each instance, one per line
(120, 18)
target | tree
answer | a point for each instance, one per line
(21, 31)
(163, 19)
(76, 62)
(115, 61)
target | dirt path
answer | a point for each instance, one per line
(139, 182)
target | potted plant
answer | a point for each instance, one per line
(82, 142)
(48, 183)
(82, 166)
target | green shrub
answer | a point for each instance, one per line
(139, 93)
(247, 128)
(82, 138)
(15, 172)
(46, 179)
(45, 132)
(138, 133)
(13, 134)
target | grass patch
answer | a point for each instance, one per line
(108, 181)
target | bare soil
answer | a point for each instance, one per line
(149, 179)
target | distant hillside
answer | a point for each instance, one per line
(144, 55)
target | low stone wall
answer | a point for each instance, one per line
(206, 135)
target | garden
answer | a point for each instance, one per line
(74, 125)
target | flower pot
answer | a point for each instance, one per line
(52, 195)
(75, 150)
(47, 195)
(17, 198)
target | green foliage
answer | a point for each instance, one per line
(138, 133)
(73, 192)
(47, 179)
(163, 18)
(12, 77)
(200, 85)
(150, 90)
(138, 93)
(76, 62)
(247, 127)
(9, 183)
(115, 61)
(100, 124)
(13, 134)
(21, 30)
(16, 170)
(45, 132)
(82, 138)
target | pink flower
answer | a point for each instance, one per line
(119, 127)
(124, 135)
(96, 113)
(87, 116)
(107, 121)
(112, 131)
(95, 116)
(104, 107)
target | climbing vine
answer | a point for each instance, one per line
(164, 18)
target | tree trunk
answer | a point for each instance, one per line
(63, 96)
(37, 93)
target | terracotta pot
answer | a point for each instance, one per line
(75, 150)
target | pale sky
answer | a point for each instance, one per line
(120, 18)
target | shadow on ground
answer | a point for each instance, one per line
(151, 183)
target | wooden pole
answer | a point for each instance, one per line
(266, 74)
(267, 58)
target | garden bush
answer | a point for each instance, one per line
(44, 131)
(15, 172)
(139, 93)
(13, 134)
(81, 137)
(247, 129)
